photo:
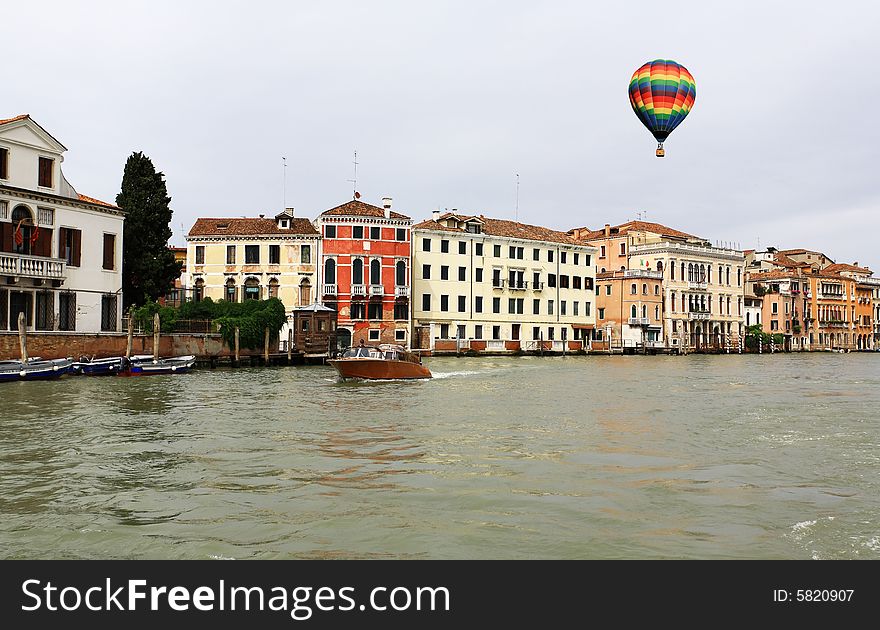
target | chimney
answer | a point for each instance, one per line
(386, 203)
(288, 211)
(607, 229)
(435, 215)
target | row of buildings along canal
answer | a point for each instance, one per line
(456, 281)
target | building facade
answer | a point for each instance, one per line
(60, 251)
(365, 271)
(629, 308)
(784, 296)
(489, 284)
(237, 259)
(177, 295)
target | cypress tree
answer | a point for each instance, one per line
(148, 266)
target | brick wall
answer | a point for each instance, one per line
(57, 345)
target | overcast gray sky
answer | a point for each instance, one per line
(446, 102)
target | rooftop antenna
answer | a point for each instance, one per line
(284, 183)
(516, 211)
(354, 192)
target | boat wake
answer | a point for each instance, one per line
(451, 374)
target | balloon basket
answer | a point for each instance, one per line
(661, 152)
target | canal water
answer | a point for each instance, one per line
(578, 457)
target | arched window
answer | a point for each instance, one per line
(305, 292)
(739, 273)
(602, 270)
(357, 271)
(375, 271)
(330, 271)
(633, 289)
(273, 288)
(633, 312)
(22, 230)
(657, 312)
(656, 289)
(672, 297)
(728, 276)
(644, 289)
(251, 289)
(708, 273)
(400, 273)
(644, 310)
(660, 266)
(690, 272)
(682, 272)
(672, 271)
(199, 290)
(230, 290)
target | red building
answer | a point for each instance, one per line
(365, 271)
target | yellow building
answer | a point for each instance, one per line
(239, 259)
(489, 284)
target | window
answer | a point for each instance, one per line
(644, 289)
(562, 307)
(478, 274)
(774, 325)
(656, 289)
(601, 251)
(444, 246)
(70, 246)
(357, 271)
(251, 289)
(4, 163)
(444, 303)
(462, 274)
(478, 332)
(496, 332)
(563, 282)
(607, 289)
(230, 292)
(478, 247)
(496, 278)
(374, 334)
(462, 303)
(230, 254)
(375, 272)
(444, 272)
(551, 279)
(67, 311)
(496, 251)
(306, 254)
(426, 244)
(575, 282)
(575, 306)
(549, 255)
(4, 210)
(108, 313)
(462, 247)
(536, 333)
(576, 257)
(551, 333)
(775, 308)
(671, 272)
(511, 252)
(738, 276)
(536, 307)
(536, 254)
(200, 251)
(357, 232)
(562, 257)
(473, 228)
(633, 312)
(520, 305)
(426, 272)
(400, 235)
(330, 271)
(511, 305)
(273, 289)
(601, 313)
(426, 301)
(444, 331)
(375, 233)
(358, 310)
(252, 254)
(329, 231)
(109, 259)
(623, 249)
(478, 304)
(44, 310)
(656, 312)
(46, 168)
(374, 310)
(275, 254)
(587, 309)
(496, 305)
(400, 334)
(587, 259)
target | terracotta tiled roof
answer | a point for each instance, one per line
(757, 276)
(502, 227)
(9, 120)
(784, 261)
(97, 202)
(357, 208)
(249, 227)
(637, 226)
(838, 267)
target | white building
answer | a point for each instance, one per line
(60, 251)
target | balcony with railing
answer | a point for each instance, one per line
(358, 290)
(699, 315)
(377, 290)
(518, 285)
(32, 266)
(330, 289)
(704, 286)
(639, 321)
(498, 283)
(401, 292)
(537, 286)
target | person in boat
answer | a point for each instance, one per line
(362, 350)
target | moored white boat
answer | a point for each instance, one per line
(34, 370)
(147, 365)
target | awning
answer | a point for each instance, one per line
(583, 326)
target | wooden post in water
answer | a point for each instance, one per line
(130, 333)
(156, 327)
(237, 347)
(266, 347)
(289, 344)
(22, 337)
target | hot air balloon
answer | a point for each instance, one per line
(662, 93)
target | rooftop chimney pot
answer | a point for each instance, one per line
(435, 215)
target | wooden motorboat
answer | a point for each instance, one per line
(146, 365)
(34, 370)
(385, 362)
(98, 367)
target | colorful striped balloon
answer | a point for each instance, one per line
(662, 93)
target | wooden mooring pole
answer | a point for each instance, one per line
(156, 329)
(266, 347)
(22, 337)
(289, 344)
(237, 346)
(130, 333)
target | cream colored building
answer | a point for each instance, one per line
(238, 259)
(490, 284)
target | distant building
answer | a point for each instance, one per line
(630, 307)
(60, 251)
(365, 274)
(237, 259)
(178, 295)
(481, 283)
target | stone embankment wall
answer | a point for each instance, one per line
(53, 345)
